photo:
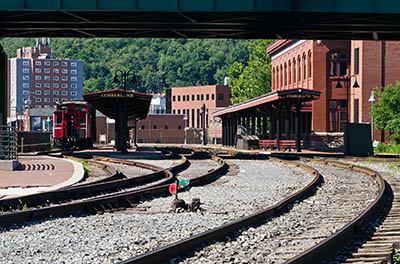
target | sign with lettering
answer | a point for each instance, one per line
(117, 95)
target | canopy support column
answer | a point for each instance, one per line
(297, 125)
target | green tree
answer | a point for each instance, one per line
(386, 112)
(254, 79)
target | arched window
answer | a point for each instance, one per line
(298, 68)
(304, 66)
(281, 78)
(338, 63)
(285, 77)
(277, 78)
(273, 79)
(309, 64)
(294, 70)
(289, 73)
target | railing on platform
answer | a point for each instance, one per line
(243, 131)
(8, 143)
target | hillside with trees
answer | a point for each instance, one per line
(156, 62)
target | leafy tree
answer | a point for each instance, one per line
(254, 79)
(172, 62)
(386, 112)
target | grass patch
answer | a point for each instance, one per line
(393, 148)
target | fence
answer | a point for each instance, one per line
(8, 143)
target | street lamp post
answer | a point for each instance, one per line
(372, 100)
(185, 118)
(346, 80)
(123, 76)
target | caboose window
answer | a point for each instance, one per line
(58, 120)
(82, 121)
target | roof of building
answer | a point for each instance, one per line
(137, 103)
(269, 98)
(48, 111)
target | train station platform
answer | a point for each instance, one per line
(39, 174)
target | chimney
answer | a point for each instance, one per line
(226, 83)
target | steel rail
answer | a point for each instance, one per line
(350, 231)
(107, 202)
(173, 250)
(85, 190)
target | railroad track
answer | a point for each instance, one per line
(105, 203)
(284, 246)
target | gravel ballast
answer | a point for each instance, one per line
(248, 187)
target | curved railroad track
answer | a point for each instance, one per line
(284, 246)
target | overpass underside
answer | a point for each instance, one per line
(237, 19)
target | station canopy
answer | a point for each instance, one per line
(270, 100)
(137, 104)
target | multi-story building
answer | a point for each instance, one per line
(320, 64)
(190, 100)
(158, 104)
(36, 80)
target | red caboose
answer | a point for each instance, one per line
(71, 125)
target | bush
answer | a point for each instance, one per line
(390, 148)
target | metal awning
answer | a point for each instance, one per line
(137, 103)
(292, 95)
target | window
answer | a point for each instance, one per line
(192, 117)
(356, 111)
(207, 97)
(179, 98)
(25, 77)
(64, 93)
(38, 77)
(38, 99)
(38, 85)
(192, 97)
(38, 92)
(55, 92)
(25, 85)
(47, 85)
(73, 71)
(294, 70)
(183, 111)
(154, 127)
(55, 85)
(220, 96)
(166, 127)
(183, 98)
(74, 85)
(173, 111)
(25, 63)
(337, 115)
(212, 97)
(46, 100)
(64, 78)
(289, 73)
(309, 64)
(74, 93)
(281, 77)
(64, 63)
(46, 70)
(202, 97)
(298, 68)
(56, 71)
(64, 71)
(179, 127)
(142, 125)
(55, 63)
(38, 63)
(338, 64)
(46, 63)
(25, 70)
(46, 92)
(63, 99)
(285, 77)
(55, 100)
(179, 111)
(38, 70)
(198, 118)
(173, 98)
(56, 78)
(356, 61)
(74, 79)
(47, 78)
(304, 66)
(73, 64)
(187, 98)
(25, 92)
(198, 97)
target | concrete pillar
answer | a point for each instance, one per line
(297, 125)
(93, 132)
(117, 126)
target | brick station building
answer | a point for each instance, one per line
(319, 64)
